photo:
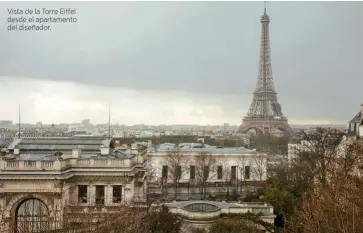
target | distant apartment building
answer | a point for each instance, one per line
(355, 126)
(5, 123)
(354, 129)
(339, 151)
(5, 133)
(77, 129)
(44, 179)
(293, 149)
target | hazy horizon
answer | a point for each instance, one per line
(183, 63)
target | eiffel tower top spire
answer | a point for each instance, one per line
(265, 78)
(265, 8)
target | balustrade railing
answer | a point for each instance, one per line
(58, 165)
(46, 164)
(12, 164)
(30, 163)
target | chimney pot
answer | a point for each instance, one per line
(76, 153)
(105, 150)
(16, 150)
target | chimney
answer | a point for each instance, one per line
(76, 152)
(361, 114)
(16, 150)
(105, 150)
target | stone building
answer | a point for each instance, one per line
(355, 126)
(42, 180)
(231, 169)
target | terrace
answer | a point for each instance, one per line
(44, 162)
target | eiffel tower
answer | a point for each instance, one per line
(265, 114)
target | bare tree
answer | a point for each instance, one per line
(336, 206)
(332, 201)
(319, 151)
(260, 166)
(177, 168)
(242, 163)
(350, 159)
(223, 172)
(204, 162)
(151, 177)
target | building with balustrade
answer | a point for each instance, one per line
(200, 214)
(226, 169)
(43, 180)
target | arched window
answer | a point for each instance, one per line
(32, 216)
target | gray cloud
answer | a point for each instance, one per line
(201, 47)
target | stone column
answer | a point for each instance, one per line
(108, 195)
(91, 194)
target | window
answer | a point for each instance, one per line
(220, 172)
(233, 172)
(247, 172)
(178, 172)
(164, 172)
(116, 194)
(192, 172)
(82, 193)
(32, 216)
(100, 194)
(205, 173)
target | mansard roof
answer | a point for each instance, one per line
(356, 118)
(59, 144)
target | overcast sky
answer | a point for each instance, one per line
(182, 62)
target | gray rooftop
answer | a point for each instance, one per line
(356, 118)
(207, 149)
(58, 144)
(32, 157)
(50, 156)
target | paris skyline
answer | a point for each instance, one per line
(184, 62)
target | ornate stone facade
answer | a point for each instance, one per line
(104, 178)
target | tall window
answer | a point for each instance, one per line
(206, 173)
(82, 193)
(247, 172)
(116, 194)
(233, 172)
(219, 172)
(178, 172)
(192, 172)
(164, 172)
(100, 194)
(32, 216)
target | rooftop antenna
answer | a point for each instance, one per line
(109, 121)
(265, 8)
(19, 122)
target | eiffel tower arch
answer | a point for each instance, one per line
(265, 113)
